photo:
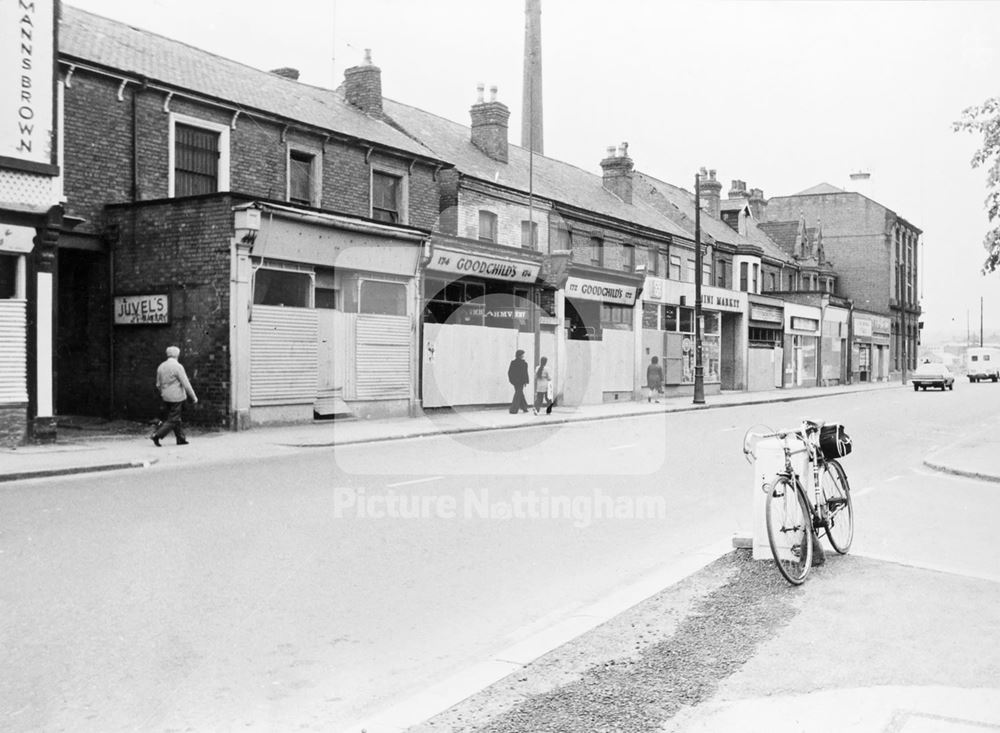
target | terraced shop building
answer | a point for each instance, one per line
(272, 230)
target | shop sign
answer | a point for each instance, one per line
(520, 314)
(495, 268)
(27, 34)
(766, 313)
(584, 289)
(881, 326)
(142, 310)
(862, 328)
(19, 240)
(805, 324)
(656, 288)
(722, 303)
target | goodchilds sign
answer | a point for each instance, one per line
(27, 31)
(142, 310)
(578, 287)
(464, 263)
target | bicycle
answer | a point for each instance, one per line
(793, 520)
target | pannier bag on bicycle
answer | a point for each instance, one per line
(834, 442)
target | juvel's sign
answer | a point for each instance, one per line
(142, 310)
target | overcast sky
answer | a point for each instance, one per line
(783, 95)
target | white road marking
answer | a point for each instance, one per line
(861, 492)
(622, 447)
(894, 478)
(413, 481)
(728, 430)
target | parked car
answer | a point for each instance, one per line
(982, 363)
(932, 375)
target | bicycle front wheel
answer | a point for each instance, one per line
(789, 529)
(839, 507)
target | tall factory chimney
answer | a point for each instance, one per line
(531, 108)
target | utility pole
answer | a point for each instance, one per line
(699, 371)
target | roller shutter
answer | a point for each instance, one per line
(283, 356)
(382, 357)
(13, 365)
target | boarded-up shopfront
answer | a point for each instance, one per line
(802, 336)
(331, 306)
(600, 337)
(765, 343)
(479, 307)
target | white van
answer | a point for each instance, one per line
(982, 363)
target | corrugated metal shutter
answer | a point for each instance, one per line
(382, 357)
(13, 365)
(283, 359)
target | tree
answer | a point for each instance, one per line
(985, 119)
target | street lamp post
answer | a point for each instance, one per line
(699, 371)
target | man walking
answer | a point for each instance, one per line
(174, 387)
(517, 375)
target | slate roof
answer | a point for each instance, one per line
(552, 179)
(113, 45)
(783, 233)
(681, 202)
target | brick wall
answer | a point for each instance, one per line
(179, 247)
(13, 424)
(511, 209)
(854, 240)
(98, 155)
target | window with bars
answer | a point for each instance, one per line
(300, 177)
(386, 202)
(196, 160)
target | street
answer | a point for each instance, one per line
(310, 590)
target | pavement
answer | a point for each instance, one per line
(917, 637)
(90, 445)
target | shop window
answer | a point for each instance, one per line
(616, 316)
(487, 226)
(686, 320)
(711, 321)
(669, 318)
(302, 178)
(199, 156)
(8, 277)
(387, 197)
(651, 316)
(529, 235)
(475, 303)
(282, 287)
(596, 251)
(675, 267)
(583, 320)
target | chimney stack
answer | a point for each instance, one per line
(738, 190)
(711, 192)
(758, 204)
(617, 169)
(489, 125)
(363, 86)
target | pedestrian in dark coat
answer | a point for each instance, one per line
(654, 380)
(517, 375)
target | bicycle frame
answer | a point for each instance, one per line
(807, 435)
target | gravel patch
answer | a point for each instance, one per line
(638, 670)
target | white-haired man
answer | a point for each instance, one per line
(174, 387)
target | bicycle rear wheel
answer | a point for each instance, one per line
(840, 508)
(789, 526)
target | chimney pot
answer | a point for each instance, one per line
(479, 92)
(368, 57)
(493, 93)
(612, 151)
